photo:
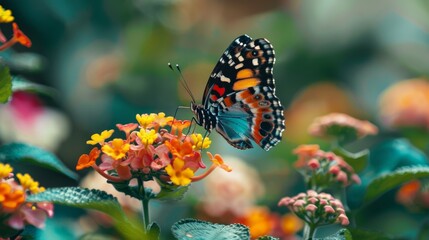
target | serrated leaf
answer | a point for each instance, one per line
(22, 84)
(193, 229)
(90, 199)
(21, 152)
(171, 192)
(342, 234)
(388, 181)
(5, 84)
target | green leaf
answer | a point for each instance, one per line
(153, 231)
(367, 235)
(342, 234)
(22, 84)
(90, 199)
(388, 181)
(357, 161)
(20, 152)
(200, 230)
(5, 84)
(424, 231)
(171, 192)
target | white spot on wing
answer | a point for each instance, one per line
(238, 66)
(225, 79)
(255, 62)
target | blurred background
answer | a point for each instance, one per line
(107, 61)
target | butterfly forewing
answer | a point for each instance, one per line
(240, 95)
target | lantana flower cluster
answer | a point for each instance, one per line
(316, 209)
(406, 104)
(154, 148)
(15, 212)
(323, 169)
(341, 126)
(17, 37)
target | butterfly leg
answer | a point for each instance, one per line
(192, 125)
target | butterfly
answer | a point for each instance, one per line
(239, 100)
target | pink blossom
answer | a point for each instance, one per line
(313, 164)
(328, 209)
(313, 200)
(320, 125)
(356, 179)
(311, 207)
(342, 177)
(107, 163)
(334, 169)
(311, 193)
(344, 220)
(285, 201)
(31, 214)
(299, 203)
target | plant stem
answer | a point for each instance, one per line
(308, 231)
(145, 203)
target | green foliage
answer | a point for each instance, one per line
(21, 152)
(201, 230)
(424, 231)
(343, 134)
(90, 199)
(153, 231)
(5, 84)
(171, 192)
(342, 234)
(385, 158)
(357, 161)
(393, 179)
(367, 235)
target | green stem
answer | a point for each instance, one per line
(308, 231)
(145, 203)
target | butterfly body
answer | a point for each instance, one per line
(239, 100)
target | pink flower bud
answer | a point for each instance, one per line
(328, 209)
(300, 195)
(313, 164)
(285, 201)
(326, 196)
(340, 210)
(312, 200)
(299, 203)
(312, 193)
(344, 220)
(356, 179)
(330, 156)
(342, 177)
(334, 169)
(323, 202)
(311, 208)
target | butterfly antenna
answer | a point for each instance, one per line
(185, 84)
(182, 80)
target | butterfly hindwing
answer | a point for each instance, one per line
(261, 110)
(240, 95)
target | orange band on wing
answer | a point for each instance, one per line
(246, 83)
(245, 73)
